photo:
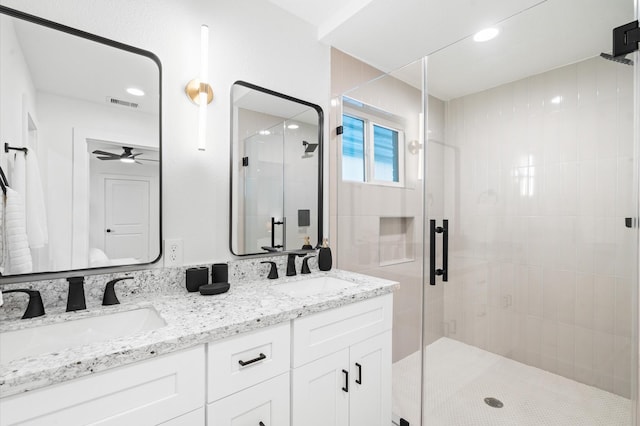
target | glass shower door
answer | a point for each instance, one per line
(379, 213)
(263, 185)
(535, 171)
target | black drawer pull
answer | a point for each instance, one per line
(346, 381)
(359, 379)
(261, 424)
(251, 361)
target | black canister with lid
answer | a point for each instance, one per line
(324, 257)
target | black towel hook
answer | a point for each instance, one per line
(7, 148)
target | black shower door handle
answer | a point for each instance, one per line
(444, 230)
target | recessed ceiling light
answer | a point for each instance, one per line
(293, 126)
(556, 100)
(486, 34)
(135, 92)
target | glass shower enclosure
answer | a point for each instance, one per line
(510, 221)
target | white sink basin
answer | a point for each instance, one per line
(54, 337)
(313, 286)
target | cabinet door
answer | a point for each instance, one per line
(265, 404)
(318, 398)
(370, 376)
(142, 394)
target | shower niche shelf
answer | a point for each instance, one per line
(396, 240)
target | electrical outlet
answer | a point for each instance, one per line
(173, 252)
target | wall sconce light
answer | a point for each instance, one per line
(199, 91)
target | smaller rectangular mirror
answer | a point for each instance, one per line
(276, 171)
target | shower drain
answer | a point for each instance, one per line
(493, 402)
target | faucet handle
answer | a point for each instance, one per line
(273, 272)
(35, 307)
(305, 265)
(110, 297)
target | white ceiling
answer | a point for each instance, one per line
(536, 35)
(74, 67)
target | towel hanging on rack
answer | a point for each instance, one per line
(4, 183)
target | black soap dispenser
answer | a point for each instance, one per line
(324, 257)
(307, 244)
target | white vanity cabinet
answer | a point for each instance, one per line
(248, 378)
(328, 368)
(342, 366)
(166, 390)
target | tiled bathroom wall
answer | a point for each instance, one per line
(540, 258)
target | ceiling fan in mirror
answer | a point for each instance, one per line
(127, 156)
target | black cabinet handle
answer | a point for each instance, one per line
(359, 379)
(251, 361)
(108, 230)
(346, 381)
(444, 230)
(261, 424)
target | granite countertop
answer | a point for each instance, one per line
(191, 320)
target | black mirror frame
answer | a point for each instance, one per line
(118, 45)
(320, 112)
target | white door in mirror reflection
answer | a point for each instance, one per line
(127, 218)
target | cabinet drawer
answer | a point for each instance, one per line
(326, 332)
(267, 402)
(145, 393)
(242, 361)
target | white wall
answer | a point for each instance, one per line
(16, 81)
(250, 40)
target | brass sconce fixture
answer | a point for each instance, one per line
(198, 90)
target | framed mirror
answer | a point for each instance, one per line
(276, 171)
(81, 149)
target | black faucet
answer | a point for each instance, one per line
(109, 297)
(305, 265)
(75, 298)
(35, 307)
(273, 272)
(291, 263)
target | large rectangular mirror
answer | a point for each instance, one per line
(80, 118)
(276, 171)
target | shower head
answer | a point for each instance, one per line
(620, 59)
(309, 147)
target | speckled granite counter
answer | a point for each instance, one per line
(191, 320)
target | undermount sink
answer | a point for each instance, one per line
(313, 286)
(34, 341)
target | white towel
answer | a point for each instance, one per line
(2, 236)
(36, 209)
(26, 180)
(17, 254)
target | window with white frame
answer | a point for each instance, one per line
(372, 145)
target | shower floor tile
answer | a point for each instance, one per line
(458, 377)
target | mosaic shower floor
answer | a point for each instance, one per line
(459, 377)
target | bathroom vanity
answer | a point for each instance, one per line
(289, 351)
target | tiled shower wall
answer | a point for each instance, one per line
(541, 260)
